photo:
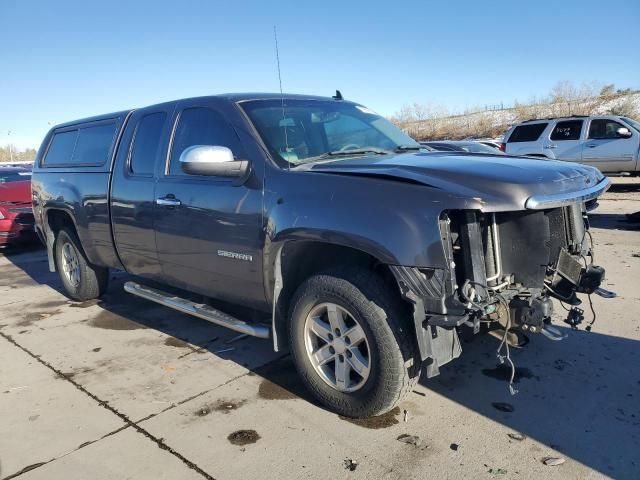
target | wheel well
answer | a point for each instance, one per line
(57, 219)
(300, 260)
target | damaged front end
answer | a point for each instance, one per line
(504, 268)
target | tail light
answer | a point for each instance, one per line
(503, 147)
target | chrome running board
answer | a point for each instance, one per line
(199, 310)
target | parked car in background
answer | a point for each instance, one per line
(468, 146)
(608, 142)
(22, 164)
(16, 217)
(13, 172)
(497, 144)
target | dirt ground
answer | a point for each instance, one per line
(122, 388)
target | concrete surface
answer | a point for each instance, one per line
(122, 388)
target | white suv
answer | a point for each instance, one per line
(608, 142)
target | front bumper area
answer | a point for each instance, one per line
(555, 200)
(503, 267)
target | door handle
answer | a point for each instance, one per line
(591, 145)
(551, 146)
(168, 201)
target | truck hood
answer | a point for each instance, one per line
(491, 182)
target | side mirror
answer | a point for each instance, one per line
(623, 132)
(212, 160)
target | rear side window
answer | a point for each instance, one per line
(603, 128)
(94, 144)
(146, 143)
(568, 130)
(82, 146)
(527, 133)
(201, 126)
(61, 148)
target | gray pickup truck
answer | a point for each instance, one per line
(366, 255)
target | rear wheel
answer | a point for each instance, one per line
(82, 280)
(350, 344)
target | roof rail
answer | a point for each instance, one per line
(555, 118)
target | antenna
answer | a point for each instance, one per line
(284, 126)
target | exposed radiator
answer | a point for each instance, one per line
(489, 248)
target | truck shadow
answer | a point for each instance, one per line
(624, 187)
(21, 249)
(578, 396)
(614, 221)
(30, 259)
(191, 335)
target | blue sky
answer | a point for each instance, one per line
(70, 59)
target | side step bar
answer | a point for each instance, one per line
(197, 310)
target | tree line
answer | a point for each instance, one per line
(9, 153)
(434, 122)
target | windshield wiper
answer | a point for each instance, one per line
(347, 153)
(408, 148)
(357, 151)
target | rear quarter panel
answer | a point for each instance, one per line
(84, 196)
(83, 193)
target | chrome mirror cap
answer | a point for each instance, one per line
(212, 160)
(623, 132)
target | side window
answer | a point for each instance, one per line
(146, 143)
(94, 144)
(527, 133)
(201, 126)
(603, 128)
(567, 130)
(61, 148)
(83, 146)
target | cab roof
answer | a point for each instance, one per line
(232, 97)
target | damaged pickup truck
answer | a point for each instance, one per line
(365, 256)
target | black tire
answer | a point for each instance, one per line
(387, 323)
(93, 279)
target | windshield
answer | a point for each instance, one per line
(631, 122)
(305, 131)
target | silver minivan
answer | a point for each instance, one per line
(608, 142)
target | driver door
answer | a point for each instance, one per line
(208, 229)
(606, 150)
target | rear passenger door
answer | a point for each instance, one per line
(525, 139)
(605, 149)
(142, 152)
(209, 232)
(565, 140)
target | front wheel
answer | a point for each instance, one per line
(82, 280)
(351, 342)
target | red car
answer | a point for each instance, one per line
(16, 216)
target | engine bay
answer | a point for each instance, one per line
(506, 267)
